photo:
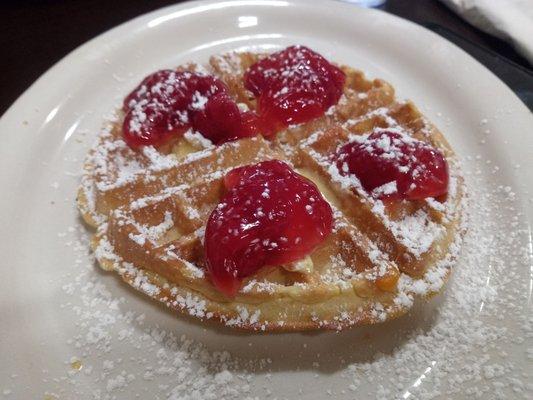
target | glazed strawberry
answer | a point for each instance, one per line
(294, 85)
(167, 103)
(270, 215)
(395, 166)
(222, 121)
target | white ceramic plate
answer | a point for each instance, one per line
(59, 313)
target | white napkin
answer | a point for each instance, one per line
(510, 20)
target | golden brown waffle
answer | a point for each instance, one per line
(149, 209)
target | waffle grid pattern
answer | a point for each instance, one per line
(149, 209)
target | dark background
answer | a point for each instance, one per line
(36, 34)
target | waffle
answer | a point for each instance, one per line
(149, 209)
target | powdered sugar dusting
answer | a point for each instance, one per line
(417, 232)
(466, 342)
(459, 348)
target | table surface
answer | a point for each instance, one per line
(35, 34)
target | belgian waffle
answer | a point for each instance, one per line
(149, 208)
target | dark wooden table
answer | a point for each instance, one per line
(35, 34)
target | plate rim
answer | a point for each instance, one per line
(86, 46)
